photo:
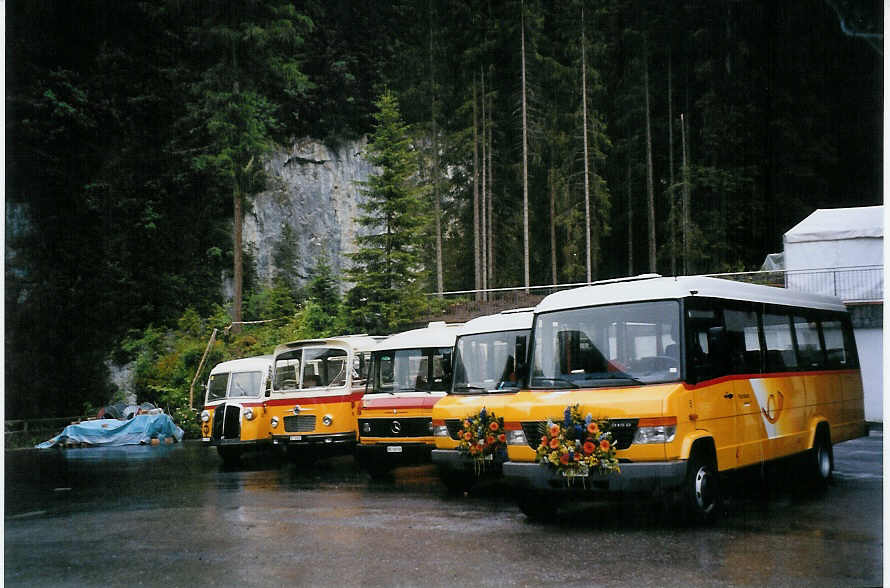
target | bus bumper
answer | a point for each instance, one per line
(393, 453)
(454, 460)
(314, 440)
(634, 477)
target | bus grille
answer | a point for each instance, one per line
(454, 426)
(302, 423)
(226, 422)
(396, 427)
(623, 431)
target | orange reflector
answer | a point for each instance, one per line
(657, 422)
(438, 422)
(512, 426)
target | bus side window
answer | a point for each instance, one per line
(780, 354)
(809, 349)
(838, 345)
(701, 361)
(743, 341)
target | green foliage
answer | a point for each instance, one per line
(387, 267)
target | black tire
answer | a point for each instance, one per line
(538, 506)
(820, 461)
(231, 456)
(701, 489)
(457, 481)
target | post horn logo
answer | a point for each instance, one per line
(774, 405)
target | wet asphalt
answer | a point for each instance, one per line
(175, 516)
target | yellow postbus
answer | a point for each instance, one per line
(316, 389)
(489, 354)
(693, 377)
(410, 372)
(233, 405)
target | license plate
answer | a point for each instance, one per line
(296, 437)
(394, 449)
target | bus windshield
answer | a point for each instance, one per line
(610, 345)
(314, 367)
(489, 362)
(410, 370)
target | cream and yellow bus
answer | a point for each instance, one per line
(410, 372)
(489, 355)
(692, 377)
(233, 406)
(317, 386)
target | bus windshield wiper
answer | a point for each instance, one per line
(567, 383)
(467, 388)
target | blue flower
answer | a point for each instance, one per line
(568, 417)
(579, 432)
(482, 413)
(588, 419)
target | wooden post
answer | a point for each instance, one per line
(200, 367)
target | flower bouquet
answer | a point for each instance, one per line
(482, 437)
(578, 447)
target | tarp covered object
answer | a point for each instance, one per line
(110, 432)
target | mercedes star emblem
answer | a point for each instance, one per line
(396, 427)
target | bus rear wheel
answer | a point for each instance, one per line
(820, 462)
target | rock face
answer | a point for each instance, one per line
(309, 209)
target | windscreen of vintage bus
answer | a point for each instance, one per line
(410, 370)
(489, 362)
(314, 367)
(610, 345)
(244, 385)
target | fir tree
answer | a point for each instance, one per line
(387, 268)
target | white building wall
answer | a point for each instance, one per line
(869, 344)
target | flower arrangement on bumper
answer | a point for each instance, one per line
(577, 446)
(482, 436)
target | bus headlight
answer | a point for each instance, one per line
(248, 414)
(516, 437)
(327, 420)
(658, 430)
(438, 428)
(274, 422)
(205, 416)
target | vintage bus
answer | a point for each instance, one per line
(489, 356)
(694, 376)
(410, 372)
(233, 405)
(317, 386)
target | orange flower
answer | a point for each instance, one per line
(467, 436)
(554, 430)
(466, 424)
(564, 459)
(489, 440)
(577, 457)
(592, 428)
(544, 441)
(589, 448)
(554, 443)
(494, 426)
(502, 438)
(605, 445)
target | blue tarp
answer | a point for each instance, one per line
(110, 432)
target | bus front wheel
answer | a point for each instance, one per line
(701, 490)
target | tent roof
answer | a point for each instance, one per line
(835, 224)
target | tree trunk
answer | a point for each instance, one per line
(650, 185)
(630, 216)
(687, 266)
(238, 263)
(490, 196)
(477, 262)
(672, 198)
(525, 256)
(552, 186)
(440, 279)
(484, 234)
(586, 154)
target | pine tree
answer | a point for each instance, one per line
(387, 270)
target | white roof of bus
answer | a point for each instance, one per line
(247, 364)
(659, 288)
(437, 334)
(356, 342)
(508, 320)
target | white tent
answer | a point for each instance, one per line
(834, 239)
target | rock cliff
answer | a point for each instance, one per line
(309, 208)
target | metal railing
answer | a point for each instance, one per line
(863, 284)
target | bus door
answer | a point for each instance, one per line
(715, 402)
